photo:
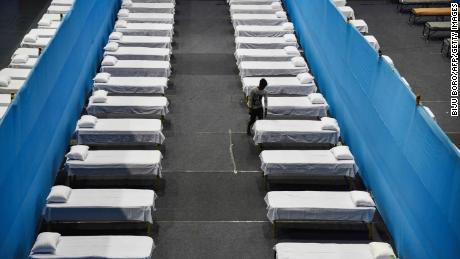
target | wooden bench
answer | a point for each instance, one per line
(428, 12)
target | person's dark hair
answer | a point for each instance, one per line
(262, 84)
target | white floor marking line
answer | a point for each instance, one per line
(232, 156)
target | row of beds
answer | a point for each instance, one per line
(118, 138)
(267, 47)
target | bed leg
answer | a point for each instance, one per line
(266, 183)
(370, 227)
(274, 229)
(149, 229)
(350, 181)
(157, 183)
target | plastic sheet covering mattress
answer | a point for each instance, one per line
(30, 63)
(40, 43)
(280, 85)
(347, 12)
(254, 9)
(261, 31)
(315, 205)
(373, 41)
(252, 2)
(322, 250)
(296, 106)
(31, 52)
(16, 73)
(263, 43)
(13, 87)
(59, 9)
(293, 131)
(139, 68)
(263, 55)
(144, 41)
(134, 85)
(101, 247)
(122, 132)
(270, 68)
(116, 163)
(129, 107)
(62, 2)
(140, 53)
(44, 33)
(257, 19)
(305, 163)
(147, 29)
(148, 17)
(150, 7)
(360, 25)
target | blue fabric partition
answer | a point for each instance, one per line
(408, 163)
(36, 129)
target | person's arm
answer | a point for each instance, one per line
(265, 103)
(250, 96)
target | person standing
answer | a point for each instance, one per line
(256, 108)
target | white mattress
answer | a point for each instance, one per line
(252, 2)
(44, 33)
(13, 87)
(134, 85)
(322, 250)
(101, 247)
(52, 16)
(40, 43)
(373, 41)
(269, 68)
(59, 9)
(99, 205)
(122, 132)
(360, 25)
(139, 68)
(257, 19)
(295, 106)
(147, 29)
(31, 52)
(53, 25)
(263, 55)
(253, 9)
(151, 8)
(154, 1)
(339, 2)
(129, 107)
(280, 85)
(144, 41)
(62, 2)
(305, 163)
(116, 163)
(315, 205)
(293, 131)
(29, 64)
(261, 31)
(263, 43)
(16, 73)
(347, 12)
(140, 53)
(149, 17)
(3, 111)
(5, 99)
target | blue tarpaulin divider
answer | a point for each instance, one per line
(37, 127)
(405, 159)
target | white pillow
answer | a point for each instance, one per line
(289, 38)
(116, 35)
(316, 98)
(31, 37)
(99, 96)
(281, 14)
(46, 243)
(123, 13)
(362, 199)
(329, 124)
(288, 26)
(276, 6)
(380, 250)
(121, 24)
(109, 61)
(127, 3)
(342, 153)
(20, 59)
(291, 50)
(78, 152)
(87, 121)
(305, 78)
(59, 194)
(4, 80)
(298, 61)
(44, 21)
(102, 77)
(111, 46)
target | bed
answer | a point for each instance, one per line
(133, 85)
(339, 2)
(5, 99)
(137, 53)
(12, 88)
(101, 205)
(44, 33)
(265, 42)
(101, 247)
(116, 164)
(141, 41)
(29, 63)
(347, 12)
(333, 251)
(31, 52)
(40, 43)
(271, 68)
(307, 163)
(16, 73)
(137, 68)
(3, 110)
(266, 54)
(373, 42)
(333, 206)
(145, 17)
(129, 107)
(255, 9)
(306, 132)
(62, 2)
(252, 2)
(431, 28)
(145, 29)
(262, 31)
(360, 25)
(281, 85)
(59, 9)
(306, 106)
(122, 132)
(148, 7)
(272, 19)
